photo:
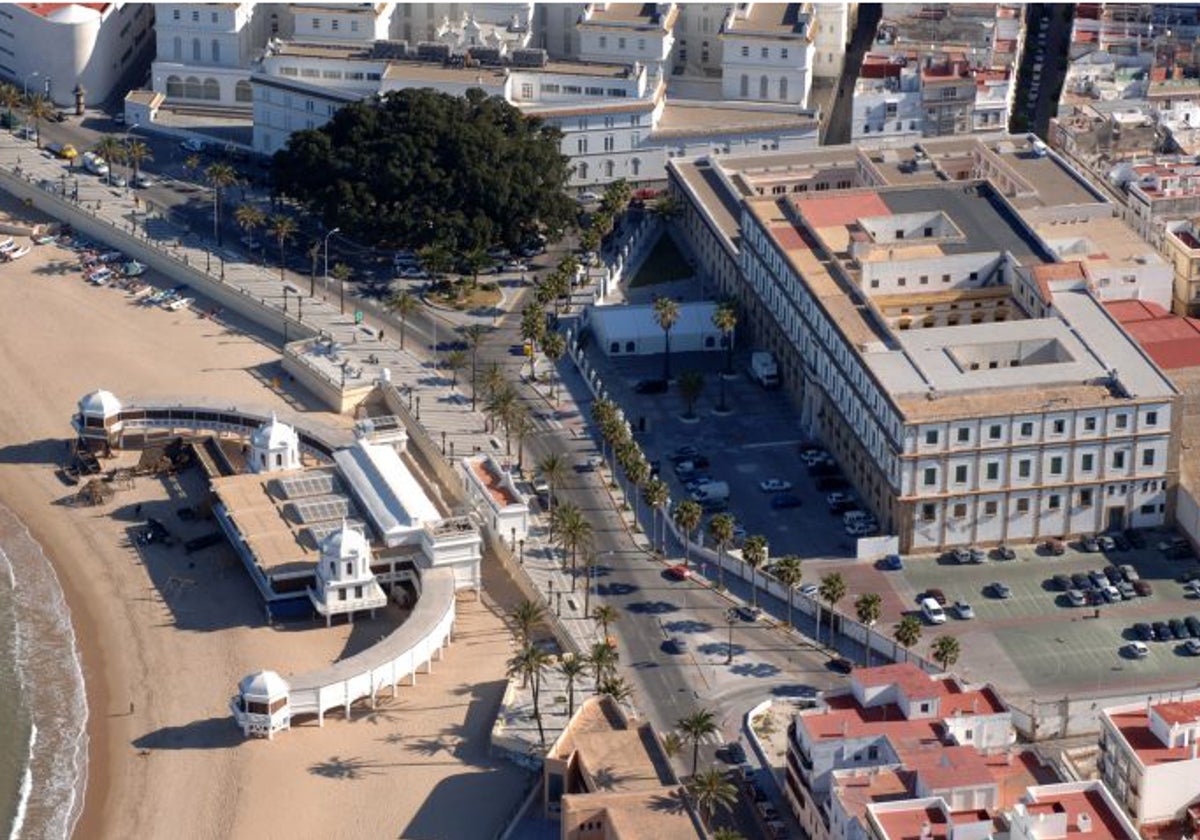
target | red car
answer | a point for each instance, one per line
(679, 572)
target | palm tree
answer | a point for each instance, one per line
(726, 833)
(789, 572)
(137, 153)
(282, 228)
(946, 651)
(436, 259)
(666, 313)
(109, 148)
(691, 385)
(687, 517)
(638, 473)
(720, 529)
(474, 260)
(908, 631)
(603, 661)
(574, 533)
(754, 552)
(553, 347)
(530, 663)
(219, 177)
(521, 425)
(455, 361)
(533, 328)
(832, 590)
(868, 607)
(10, 98)
(405, 304)
(657, 492)
(342, 273)
(314, 253)
(616, 688)
(526, 616)
(605, 615)
(249, 218)
(473, 334)
(502, 404)
(695, 727)
(191, 164)
(711, 790)
(39, 109)
(571, 667)
(554, 470)
(725, 319)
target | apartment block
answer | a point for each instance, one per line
(768, 53)
(1181, 242)
(1150, 757)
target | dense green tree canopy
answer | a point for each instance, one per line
(418, 168)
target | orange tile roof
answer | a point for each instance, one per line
(908, 677)
(47, 9)
(1179, 711)
(841, 208)
(859, 788)
(1104, 823)
(1135, 729)
(490, 481)
(942, 768)
(845, 718)
(1173, 341)
(909, 824)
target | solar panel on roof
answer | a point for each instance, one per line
(322, 509)
(305, 486)
(321, 531)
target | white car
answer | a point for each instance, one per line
(515, 267)
(774, 485)
(933, 611)
(588, 198)
(1192, 587)
(142, 180)
(963, 610)
(863, 528)
(1192, 647)
(1136, 650)
(413, 273)
(191, 144)
(809, 589)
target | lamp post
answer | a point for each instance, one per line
(325, 285)
(731, 617)
(25, 87)
(285, 330)
(444, 446)
(521, 543)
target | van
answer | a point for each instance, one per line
(852, 517)
(932, 611)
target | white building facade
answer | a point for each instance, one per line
(345, 583)
(767, 53)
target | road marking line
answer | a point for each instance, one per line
(770, 444)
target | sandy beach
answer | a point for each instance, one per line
(164, 637)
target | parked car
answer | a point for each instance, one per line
(1189, 575)
(676, 646)
(1143, 631)
(1003, 552)
(678, 572)
(893, 563)
(1113, 574)
(1127, 591)
(651, 386)
(840, 665)
(964, 610)
(786, 500)
(1089, 544)
(810, 590)
(1178, 628)
(1054, 546)
(1000, 590)
(588, 197)
(1111, 594)
(1143, 588)
(141, 181)
(1081, 581)
(192, 145)
(1136, 650)
(1106, 543)
(1098, 579)
(1193, 625)
(1128, 572)
(933, 611)
(732, 753)
(1076, 598)
(1061, 582)
(1162, 631)
(937, 595)
(774, 485)
(1192, 647)
(749, 614)
(864, 528)
(1192, 588)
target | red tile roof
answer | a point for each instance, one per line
(944, 768)
(47, 9)
(845, 718)
(1105, 825)
(908, 824)
(840, 208)
(1171, 340)
(1180, 711)
(1135, 729)
(906, 676)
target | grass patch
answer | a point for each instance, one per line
(458, 296)
(664, 264)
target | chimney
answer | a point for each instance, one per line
(926, 830)
(1084, 822)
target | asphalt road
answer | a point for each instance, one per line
(1051, 52)
(837, 130)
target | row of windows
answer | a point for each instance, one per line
(1058, 426)
(193, 88)
(313, 73)
(765, 52)
(622, 43)
(763, 87)
(1087, 464)
(1085, 498)
(334, 24)
(610, 143)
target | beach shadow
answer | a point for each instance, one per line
(491, 796)
(218, 733)
(49, 451)
(346, 769)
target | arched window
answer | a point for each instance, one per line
(192, 88)
(216, 51)
(174, 86)
(212, 90)
(745, 85)
(783, 87)
(195, 49)
(608, 169)
(762, 87)
(242, 92)
(178, 48)
(635, 165)
(583, 169)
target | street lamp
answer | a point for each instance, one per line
(731, 616)
(26, 85)
(521, 543)
(325, 291)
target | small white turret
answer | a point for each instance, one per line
(99, 417)
(261, 706)
(274, 447)
(344, 580)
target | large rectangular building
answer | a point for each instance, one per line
(868, 277)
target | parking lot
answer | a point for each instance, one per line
(1034, 642)
(758, 439)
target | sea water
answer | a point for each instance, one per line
(43, 709)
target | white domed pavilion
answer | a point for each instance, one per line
(274, 447)
(261, 706)
(345, 583)
(99, 417)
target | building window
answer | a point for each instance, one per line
(216, 51)
(175, 14)
(1056, 465)
(745, 52)
(353, 26)
(960, 474)
(527, 90)
(994, 431)
(174, 86)
(316, 23)
(1024, 468)
(1147, 457)
(783, 53)
(1087, 462)
(783, 87)
(178, 48)
(1121, 421)
(928, 512)
(960, 512)
(583, 171)
(930, 476)
(603, 42)
(1026, 429)
(581, 145)
(993, 470)
(1089, 424)
(990, 508)
(608, 169)
(620, 43)
(1060, 426)
(964, 434)
(1022, 506)
(1053, 501)
(762, 87)
(195, 17)
(196, 49)
(1118, 460)
(931, 437)
(641, 44)
(764, 52)
(1085, 498)
(609, 143)
(1151, 418)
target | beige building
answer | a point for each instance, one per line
(606, 777)
(1182, 247)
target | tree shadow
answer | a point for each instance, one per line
(760, 670)
(669, 803)
(346, 769)
(652, 607)
(613, 589)
(687, 626)
(722, 649)
(217, 733)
